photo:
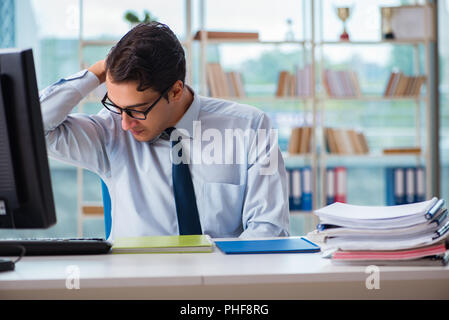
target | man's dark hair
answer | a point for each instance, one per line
(150, 54)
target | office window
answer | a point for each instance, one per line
(7, 22)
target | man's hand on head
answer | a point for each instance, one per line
(99, 69)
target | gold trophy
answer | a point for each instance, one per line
(387, 29)
(343, 14)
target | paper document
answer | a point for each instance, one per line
(381, 244)
(349, 211)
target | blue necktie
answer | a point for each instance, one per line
(186, 209)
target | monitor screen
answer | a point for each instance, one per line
(26, 197)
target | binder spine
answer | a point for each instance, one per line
(399, 183)
(330, 186)
(296, 189)
(420, 185)
(389, 186)
(340, 184)
(306, 203)
(410, 185)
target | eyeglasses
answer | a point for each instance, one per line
(136, 114)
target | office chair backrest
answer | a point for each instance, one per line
(107, 209)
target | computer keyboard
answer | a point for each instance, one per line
(54, 246)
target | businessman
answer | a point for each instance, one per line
(174, 162)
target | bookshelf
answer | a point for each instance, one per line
(315, 44)
(422, 65)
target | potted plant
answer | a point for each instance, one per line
(133, 19)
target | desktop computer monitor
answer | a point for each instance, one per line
(26, 196)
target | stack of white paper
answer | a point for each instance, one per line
(368, 231)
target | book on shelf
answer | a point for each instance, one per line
(411, 234)
(336, 184)
(341, 83)
(401, 85)
(364, 143)
(235, 84)
(405, 185)
(304, 81)
(281, 90)
(300, 140)
(345, 142)
(224, 84)
(226, 35)
(403, 150)
(297, 84)
(294, 141)
(163, 244)
(299, 182)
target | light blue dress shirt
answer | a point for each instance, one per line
(233, 198)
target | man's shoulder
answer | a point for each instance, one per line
(221, 108)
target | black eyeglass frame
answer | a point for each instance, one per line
(129, 111)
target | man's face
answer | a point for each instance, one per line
(125, 95)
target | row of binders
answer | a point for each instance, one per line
(297, 84)
(400, 85)
(341, 83)
(405, 185)
(224, 84)
(411, 234)
(299, 184)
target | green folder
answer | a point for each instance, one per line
(163, 244)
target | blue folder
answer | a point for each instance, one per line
(287, 245)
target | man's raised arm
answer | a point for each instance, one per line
(80, 139)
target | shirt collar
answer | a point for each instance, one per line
(191, 115)
(186, 122)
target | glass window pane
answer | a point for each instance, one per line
(104, 19)
(256, 16)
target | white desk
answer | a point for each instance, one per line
(215, 276)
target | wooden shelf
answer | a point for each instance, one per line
(93, 209)
(301, 213)
(252, 41)
(354, 160)
(97, 43)
(374, 98)
(372, 160)
(287, 155)
(268, 98)
(107, 43)
(316, 43)
(325, 98)
(375, 42)
(370, 155)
